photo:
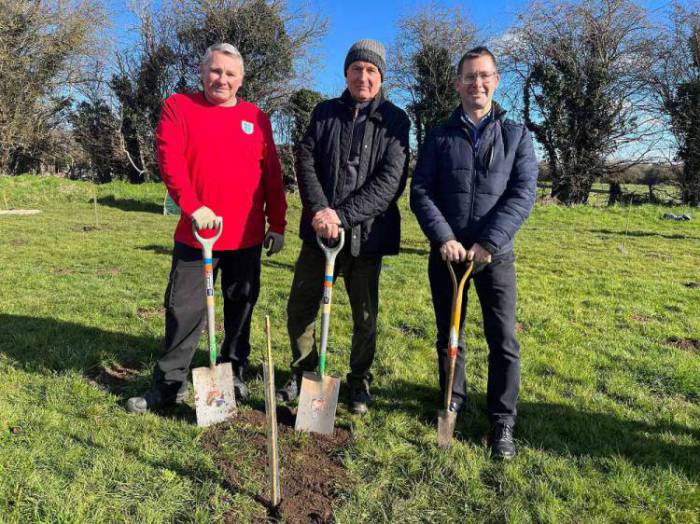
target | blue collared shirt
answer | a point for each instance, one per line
(475, 130)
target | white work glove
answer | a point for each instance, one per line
(205, 218)
(274, 242)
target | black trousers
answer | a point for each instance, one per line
(361, 276)
(495, 286)
(185, 310)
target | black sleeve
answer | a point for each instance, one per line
(312, 196)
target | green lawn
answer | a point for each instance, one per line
(609, 425)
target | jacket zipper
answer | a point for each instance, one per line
(355, 112)
(475, 154)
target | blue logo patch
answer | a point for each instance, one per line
(247, 127)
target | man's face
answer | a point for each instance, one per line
(477, 83)
(364, 80)
(221, 78)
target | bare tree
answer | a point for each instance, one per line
(45, 46)
(425, 53)
(676, 80)
(582, 70)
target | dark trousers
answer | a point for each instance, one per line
(185, 309)
(495, 286)
(361, 276)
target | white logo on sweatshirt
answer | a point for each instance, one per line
(247, 127)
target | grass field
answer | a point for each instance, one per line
(609, 323)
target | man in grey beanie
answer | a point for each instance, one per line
(351, 167)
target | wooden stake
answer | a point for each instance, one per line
(271, 412)
(97, 218)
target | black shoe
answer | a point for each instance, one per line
(456, 406)
(290, 390)
(360, 399)
(151, 400)
(501, 442)
(239, 387)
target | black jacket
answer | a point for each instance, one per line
(470, 195)
(369, 214)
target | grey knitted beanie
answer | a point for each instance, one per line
(367, 51)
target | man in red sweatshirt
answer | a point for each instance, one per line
(218, 159)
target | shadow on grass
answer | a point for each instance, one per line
(557, 428)
(277, 265)
(158, 250)
(115, 361)
(129, 204)
(414, 251)
(643, 234)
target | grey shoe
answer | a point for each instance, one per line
(239, 387)
(151, 400)
(158, 397)
(183, 394)
(290, 390)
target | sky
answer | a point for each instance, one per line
(349, 21)
(352, 21)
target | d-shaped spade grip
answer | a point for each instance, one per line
(331, 251)
(208, 243)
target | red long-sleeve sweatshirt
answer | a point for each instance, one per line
(223, 158)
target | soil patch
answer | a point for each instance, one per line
(112, 271)
(113, 378)
(311, 473)
(688, 344)
(150, 312)
(410, 331)
(62, 271)
(85, 228)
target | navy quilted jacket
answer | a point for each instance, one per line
(481, 196)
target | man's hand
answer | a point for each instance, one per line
(453, 251)
(331, 231)
(478, 254)
(274, 242)
(326, 223)
(205, 218)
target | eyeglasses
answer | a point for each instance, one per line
(470, 78)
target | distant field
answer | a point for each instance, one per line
(609, 323)
(599, 196)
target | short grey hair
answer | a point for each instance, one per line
(224, 48)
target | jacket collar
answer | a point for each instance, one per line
(455, 119)
(347, 100)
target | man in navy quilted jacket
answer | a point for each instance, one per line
(473, 187)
